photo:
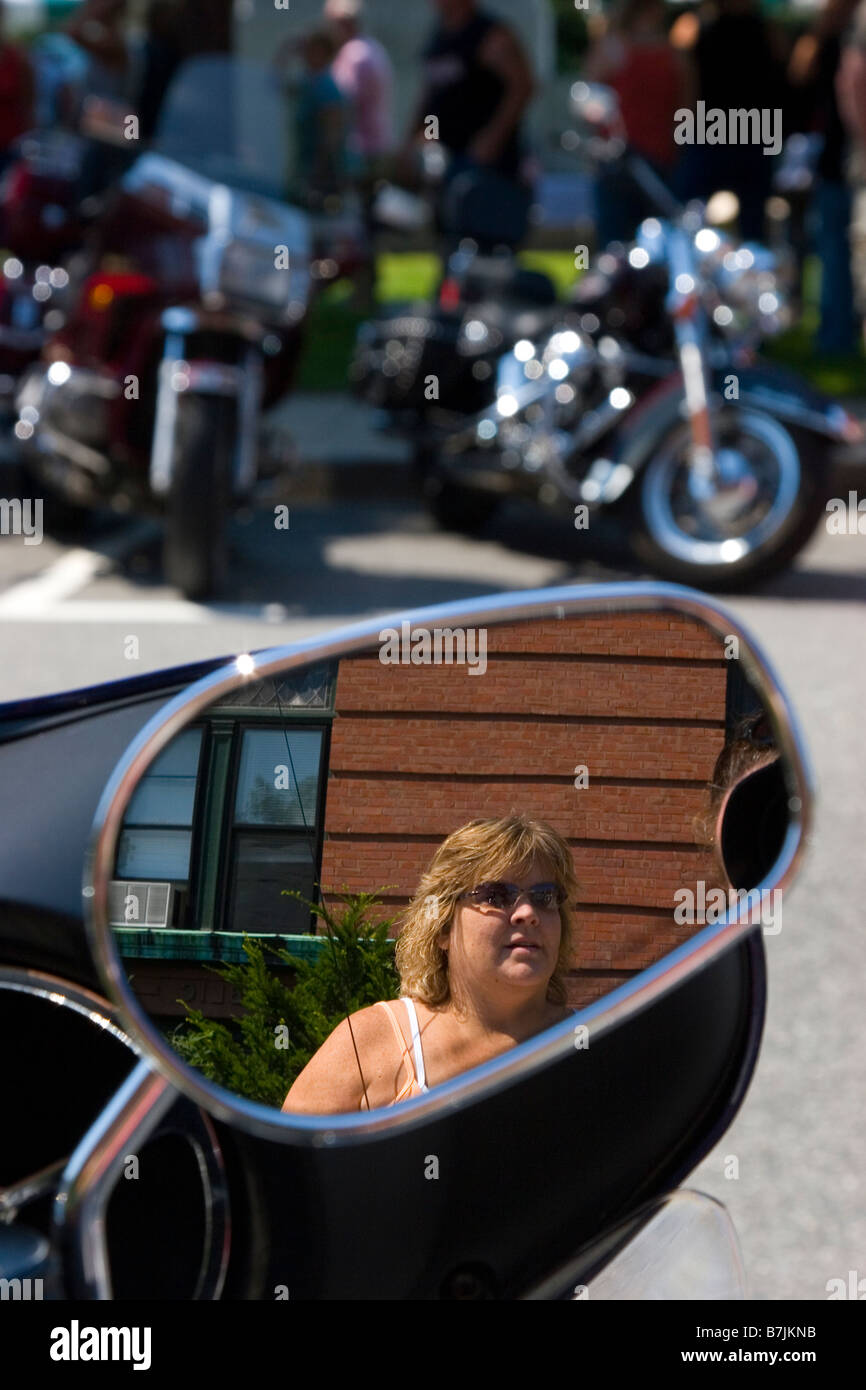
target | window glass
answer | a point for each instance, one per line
(166, 794)
(278, 780)
(264, 863)
(154, 854)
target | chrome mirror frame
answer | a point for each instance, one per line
(625, 1001)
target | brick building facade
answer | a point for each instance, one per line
(416, 751)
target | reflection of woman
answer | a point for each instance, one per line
(482, 957)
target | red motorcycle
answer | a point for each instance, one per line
(188, 325)
(40, 224)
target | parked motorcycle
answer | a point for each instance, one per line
(646, 397)
(559, 1162)
(188, 324)
(40, 224)
(426, 367)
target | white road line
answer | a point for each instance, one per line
(101, 611)
(166, 612)
(68, 575)
(48, 596)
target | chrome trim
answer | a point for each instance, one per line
(165, 416)
(623, 1003)
(85, 1181)
(57, 991)
(142, 1110)
(250, 392)
(92, 1173)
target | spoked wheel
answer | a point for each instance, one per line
(746, 522)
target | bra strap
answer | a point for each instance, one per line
(416, 1042)
(398, 1034)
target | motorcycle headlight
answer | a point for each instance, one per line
(252, 274)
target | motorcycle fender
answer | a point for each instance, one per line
(787, 397)
(178, 378)
(764, 387)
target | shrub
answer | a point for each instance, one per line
(259, 1054)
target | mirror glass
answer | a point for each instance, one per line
(538, 811)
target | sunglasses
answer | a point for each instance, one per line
(501, 897)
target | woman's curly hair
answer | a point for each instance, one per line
(481, 851)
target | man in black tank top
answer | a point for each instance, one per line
(478, 83)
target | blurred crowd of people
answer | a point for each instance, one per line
(476, 80)
(475, 85)
(343, 94)
(728, 55)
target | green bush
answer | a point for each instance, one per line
(259, 1054)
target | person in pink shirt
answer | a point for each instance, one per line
(363, 72)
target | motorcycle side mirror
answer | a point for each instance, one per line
(274, 828)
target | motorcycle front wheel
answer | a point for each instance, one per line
(747, 523)
(195, 543)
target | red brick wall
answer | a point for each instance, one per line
(639, 700)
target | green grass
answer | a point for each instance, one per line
(837, 374)
(334, 323)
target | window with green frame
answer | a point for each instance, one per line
(231, 813)
(273, 839)
(155, 844)
(228, 816)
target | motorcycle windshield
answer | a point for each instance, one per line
(229, 120)
(681, 1247)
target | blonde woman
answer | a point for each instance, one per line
(482, 958)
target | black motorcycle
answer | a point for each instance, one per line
(643, 395)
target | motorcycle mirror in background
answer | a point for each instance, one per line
(275, 815)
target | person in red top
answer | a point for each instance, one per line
(653, 81)
(16, 94)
